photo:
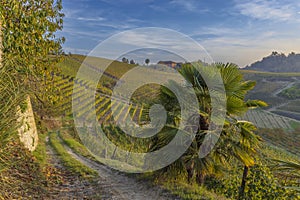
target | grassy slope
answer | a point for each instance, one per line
(71, 64)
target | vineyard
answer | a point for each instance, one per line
(67, 85)
(265, 119)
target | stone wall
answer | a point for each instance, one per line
(28, 131)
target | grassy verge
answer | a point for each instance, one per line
(40, 152)
(69, 162)
(187, 191)
(80, 149)
(76, 146)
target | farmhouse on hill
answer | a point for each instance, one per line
(171, 64)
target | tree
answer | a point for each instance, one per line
(28, 41)
(124, 60)
(237, 139)
(147, 61)
(132, 62)
(30, 46)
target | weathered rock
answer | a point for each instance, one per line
(28, 131)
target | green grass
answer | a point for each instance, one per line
(40, 152)
(80, 149)
(188, 192)
(75, 145)
(69, 162)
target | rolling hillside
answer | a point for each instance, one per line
(280, 114)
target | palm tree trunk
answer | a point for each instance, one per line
(243, 185)
(190, 172)
(200, 178)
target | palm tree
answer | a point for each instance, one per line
(237, 139)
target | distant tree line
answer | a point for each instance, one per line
(278, 62)
(132, 62)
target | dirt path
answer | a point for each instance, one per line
(110, 185)
(72, 187)
(124, 187)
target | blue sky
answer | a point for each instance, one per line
(239, 31)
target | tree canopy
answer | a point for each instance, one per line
(28, 30)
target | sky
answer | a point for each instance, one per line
(238, 31)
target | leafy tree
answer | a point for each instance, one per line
(147, 61)
(132, 62)
(28, 41)
(124, 60)
(28, 28)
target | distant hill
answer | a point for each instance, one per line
(277, 62)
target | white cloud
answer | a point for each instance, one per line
(186, 4)
(155, 38)
(267, 9)
(91, 19)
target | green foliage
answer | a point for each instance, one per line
(147, 61)
(261, 184)
(28, 31)
(28, 38)
(9, 99)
